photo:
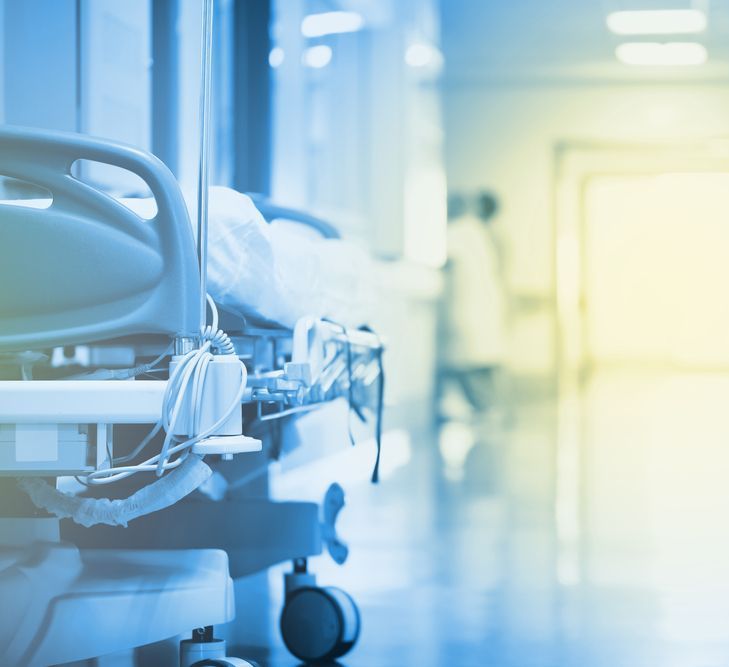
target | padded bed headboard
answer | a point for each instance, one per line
(87, 268)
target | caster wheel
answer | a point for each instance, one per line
(319, 624)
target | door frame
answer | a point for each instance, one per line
(575, 165)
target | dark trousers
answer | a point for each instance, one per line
(477, 385)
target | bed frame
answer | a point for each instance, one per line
(88, 284)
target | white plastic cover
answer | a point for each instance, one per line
(165, 492)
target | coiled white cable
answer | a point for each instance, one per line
(185, 384)
(219, 340)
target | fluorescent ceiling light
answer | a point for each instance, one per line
(657, 54)
(423, 55)
(276, 57)
(317, 56)
(657, 22)
(331, 23)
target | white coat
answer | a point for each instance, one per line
(474, 327)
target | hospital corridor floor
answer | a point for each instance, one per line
(593, 532)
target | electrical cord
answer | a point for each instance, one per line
(379, 410)
(350, 381)
(184, 387)
(121, 373)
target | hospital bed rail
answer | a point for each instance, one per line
(272, 211)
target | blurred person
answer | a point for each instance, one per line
(473, 314)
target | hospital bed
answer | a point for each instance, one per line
(100, 343)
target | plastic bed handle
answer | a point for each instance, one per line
(171, 301)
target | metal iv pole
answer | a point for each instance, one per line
(206, 80)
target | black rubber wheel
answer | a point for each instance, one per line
(319, 624)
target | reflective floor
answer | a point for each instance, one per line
(592, 532)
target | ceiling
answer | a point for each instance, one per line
(513, 40)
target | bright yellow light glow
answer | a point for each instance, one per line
(657, 22)
(655, 269)
(661, 55)
(331, 23)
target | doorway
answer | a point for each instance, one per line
(656, 270)
(642, 259)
